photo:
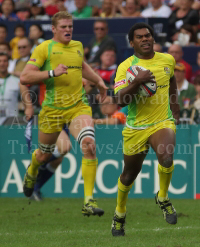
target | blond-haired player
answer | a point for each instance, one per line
(59, 63)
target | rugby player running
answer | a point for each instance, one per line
(150, 122)
(59, 63)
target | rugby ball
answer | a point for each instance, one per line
(146, 89)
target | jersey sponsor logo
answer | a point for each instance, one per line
(74, 67)
(167, 70)
(79, 53)
(162, 86)
(119, 83)
(32, 60)
(57, 52)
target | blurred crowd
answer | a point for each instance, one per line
(101, 51)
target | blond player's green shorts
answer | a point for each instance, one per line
(136, 140)
(52, 120)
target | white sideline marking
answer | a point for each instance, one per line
(97, 231)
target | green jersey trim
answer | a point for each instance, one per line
(50, 86)
(34, 63)
(135, 61)
(133, 106)
(84, 97)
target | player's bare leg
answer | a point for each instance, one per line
(163, 143)
(132, 167)
(39, 157)
(47, 170)
(82, 128)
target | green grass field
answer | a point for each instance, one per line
(59, 222)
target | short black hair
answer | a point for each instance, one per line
(189, 28)
(4, 26)
(39, 27)
(20, 25)
(7, 44)
(137, 26)
(110, 48)
(4, 54)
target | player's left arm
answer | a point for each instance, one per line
(173, 96)
(89, 74)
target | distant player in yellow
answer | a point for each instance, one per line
(59, 63)
(150, 121)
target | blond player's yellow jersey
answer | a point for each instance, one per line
(64, 91)
(142, 111)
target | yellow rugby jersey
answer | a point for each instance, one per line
(64, 91)
(146, 111)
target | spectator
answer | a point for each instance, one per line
(109, 109)
(196, 73)
(22, 8)
(54, 6)
(3, 32)
(98, 44)
(144, 4)
(108, 66)
(197, 86)
(157, 10)
(22, 5)
(83, 10)
(186, 90)
(7, 11)
(9, 85)
(109, 9)
(24, 47)
(186, 36)
(37, 11)
(5, 48)
(183, 15)
(196, 5)
(177, 52)
(36, 35)
(130, 9)
(19, 32)
(70, 6)
(198, 37)
(157, 47)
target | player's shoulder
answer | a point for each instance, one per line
(127, 63)
(45, 43)
(43, 46)
(165, 56)
(76, 43)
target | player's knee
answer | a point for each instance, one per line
(166, 160)
(88, 146)
(43, 157)
(64, 150)
(128, 178)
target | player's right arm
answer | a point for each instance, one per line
(32, 74)
(125, 93)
